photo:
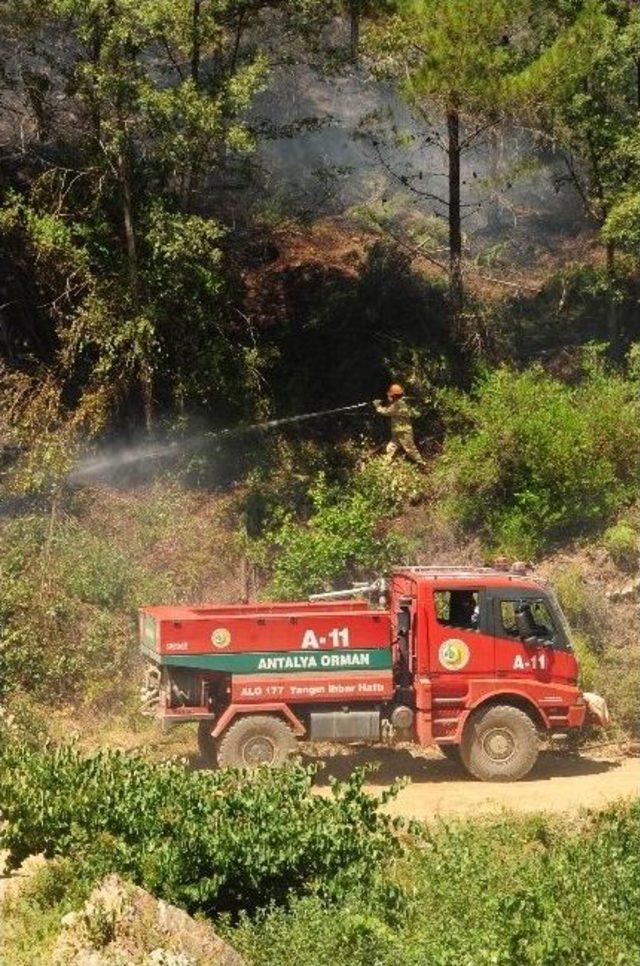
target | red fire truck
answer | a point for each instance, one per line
(478, 662)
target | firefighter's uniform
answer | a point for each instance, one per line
(400, 413)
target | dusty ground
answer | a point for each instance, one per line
(559, 783)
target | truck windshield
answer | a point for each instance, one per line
(543, 621)
(548, 622)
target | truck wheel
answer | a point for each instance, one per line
(256, 739)
(207, 743)
(451, 753)
(499, 744)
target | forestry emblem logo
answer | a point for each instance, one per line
(221, 637)
(454, 654)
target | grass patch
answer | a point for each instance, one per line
(74, 577)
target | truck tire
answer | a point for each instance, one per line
(207, 745)
(256, 739)
(499, 744)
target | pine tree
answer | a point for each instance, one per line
(459, 60)
(579, 95)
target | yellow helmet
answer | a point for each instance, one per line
(395, 390)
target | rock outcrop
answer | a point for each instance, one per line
(121, 924)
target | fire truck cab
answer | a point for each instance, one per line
(476, 661)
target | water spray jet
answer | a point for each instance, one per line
(105, 464)
(273, 423)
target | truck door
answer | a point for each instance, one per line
(538, 654)
(461, 646)
(461, 640)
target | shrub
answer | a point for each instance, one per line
(587, 661)
(622, 225)
(205, 841)
(72, 581)
(31, 914)
(621, 541)
(606, 646)
(283, 476)
(525, 891)
(585, 606)
(530, 459)
(618, 677)
(345, 535)
(65, 611)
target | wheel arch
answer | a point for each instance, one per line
(242, 710)
(511, 699)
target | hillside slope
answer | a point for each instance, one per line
(73, 579)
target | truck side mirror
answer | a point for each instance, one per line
(404, 622)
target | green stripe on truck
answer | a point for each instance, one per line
(279, 662)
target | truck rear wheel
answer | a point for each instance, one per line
(256, 740)
(499, 744)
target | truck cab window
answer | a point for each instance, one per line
(458, 608)
(508, 618)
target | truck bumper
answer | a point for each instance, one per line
(577, 716)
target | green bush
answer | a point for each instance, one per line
(503, 890)
(205, 841)
(530, 459)
(584, 605)
(508, 891)
(606, 647)
(587, 661)
(31, 917)
(346, 534)
(622, 226)
(72, 582)
(621, 541)
(66, 610)
(283, 476)
(618, 678)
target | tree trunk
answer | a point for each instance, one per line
(354, 32)
(236, 44)
(124, 170)
(146, 376)
(120, 57)
(96, 56)
(455, 229)
(195, 43)
(612, 308)
(146, 387)
(494, 206)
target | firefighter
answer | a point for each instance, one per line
(464, 610)
(399, 413)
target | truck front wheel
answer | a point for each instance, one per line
(499, 744)
(256, 740)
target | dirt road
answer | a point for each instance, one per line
(559, 783)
